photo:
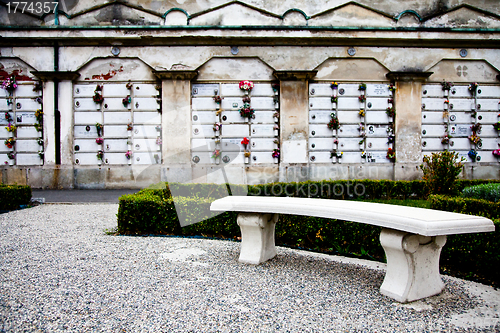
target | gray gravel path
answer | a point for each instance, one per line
(60, 272)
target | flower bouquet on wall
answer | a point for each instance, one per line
(246, 86)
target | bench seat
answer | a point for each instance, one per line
(412, 237)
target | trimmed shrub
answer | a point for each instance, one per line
(470, 206)
(489, 192)
(441, 170)
(471, 256)
(13, 196)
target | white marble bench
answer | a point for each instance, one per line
(412, 238)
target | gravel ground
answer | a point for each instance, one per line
(59, 271)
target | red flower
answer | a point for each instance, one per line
(245, 141)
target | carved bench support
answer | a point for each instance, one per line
(412, 265)
(257, 237)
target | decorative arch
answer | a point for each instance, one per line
(465, 71)
(237, 69)
(352, 69)
(116, 69)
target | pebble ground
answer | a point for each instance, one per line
(61, 272)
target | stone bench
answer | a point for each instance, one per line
(412, 238)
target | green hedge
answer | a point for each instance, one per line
(470, 206)
(13, 196)
(490, 192)
(326, 189)
(154, 211)
(473, 256)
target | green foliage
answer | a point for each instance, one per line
(13, 196)
(490, 191)
(471, 256)
(479, 207)
(441, 170)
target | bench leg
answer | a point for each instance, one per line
(257, 237)
(412, 265)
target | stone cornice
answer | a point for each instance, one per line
(176, 75)
(408, 76)
(51, 76)
(295, 75)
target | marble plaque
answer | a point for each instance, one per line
(26, 90)
(377, 130)
(84, 90)
(377, 157)
(142, 103)
(263, 117)
(320, 89)
(377, 143)
(236, 130)
(147, 158)
(88, 131)
(27, 132)
(320, 157)
(115, 145)
(85, 145)
(26, 104)
(204, 117)
(86, 158)
(349, 144)
(27, 146)
(203, 145)
(320, 130)
(456, 130)
(432, 90)
(489, 91)
(148, 131)
(144, 90)
(259, 89)
(377, 117)
(27, 159)
(321, 144)
(433, 130)
(260, 144)
(147, 118)
(145, 145)
(116, 158)
(204, 103)
(205, 89)
(117, 118)
(436, 117)
(89, 117)
(378, 90)
(258, 130)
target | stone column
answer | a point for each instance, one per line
(57, 175)
(294, 123)
(176, 124)
(408, 123)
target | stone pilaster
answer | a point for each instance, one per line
(408, 123)
(176, 124)
(294, 121)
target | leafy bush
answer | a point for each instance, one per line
(471, 256)
(441, 170)
(13, 196)
(470, 206)
(489, 192)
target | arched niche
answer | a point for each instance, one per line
(116, 69)
(354, 69)
(463, 71)
(176, 17)
(236, 69)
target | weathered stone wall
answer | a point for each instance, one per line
(167, 48)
